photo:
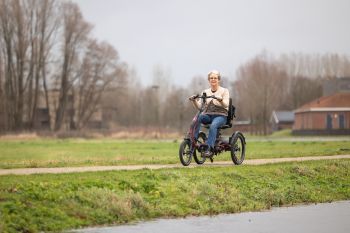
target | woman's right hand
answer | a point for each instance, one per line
(192, 97)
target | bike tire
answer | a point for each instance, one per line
(185, 154)
(238, 148)
(199, 159)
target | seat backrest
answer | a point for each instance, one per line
(231, 112)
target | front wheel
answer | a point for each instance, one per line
(198, 157)
(185, 153)
(238, 148)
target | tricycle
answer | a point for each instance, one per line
(195, 147)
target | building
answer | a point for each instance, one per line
(325, 115)
(281, 120)
(45, 117)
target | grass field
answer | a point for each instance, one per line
(58, 202)
(88, 152)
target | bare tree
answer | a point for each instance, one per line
(14, 23)
(44, 26)
(198, 84)
(150, 110)
(26, 32)
(75, 34)
(30, 53)
(260, 88)
(178, 111)
(98, 70)
(123, 98)
(315, 65)
(303, 90)
(2, 95)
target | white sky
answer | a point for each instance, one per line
(192, 37)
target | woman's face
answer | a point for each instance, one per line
(214, 80)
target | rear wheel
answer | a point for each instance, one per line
(238, 148)
(201, 140)
(185, 153)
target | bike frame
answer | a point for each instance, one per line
(195, 123)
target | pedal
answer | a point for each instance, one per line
(202, 148)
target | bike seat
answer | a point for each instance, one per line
(227, 126)
(230, 115)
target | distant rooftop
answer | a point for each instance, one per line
(283, 116)
(338, 101)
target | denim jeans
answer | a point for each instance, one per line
(215, 122)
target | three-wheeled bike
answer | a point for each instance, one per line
(195, 147)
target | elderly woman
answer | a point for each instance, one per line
(215, 111)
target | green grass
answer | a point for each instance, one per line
(282, 133)
(285, 133)
(66, 201)
(80, 152)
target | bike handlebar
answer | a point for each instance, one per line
(204, 96)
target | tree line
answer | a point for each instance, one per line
(48, 57)
(47, 49)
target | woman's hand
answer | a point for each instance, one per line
(192, 97)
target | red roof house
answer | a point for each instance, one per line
(325, 115)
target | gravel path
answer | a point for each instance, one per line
(56, 170)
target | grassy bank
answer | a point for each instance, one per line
(57, 202)
(80, 152)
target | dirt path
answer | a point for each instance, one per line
(28, 171)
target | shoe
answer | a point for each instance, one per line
(208, 153)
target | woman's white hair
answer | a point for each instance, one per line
(214, 72)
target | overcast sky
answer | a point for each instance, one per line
(192, 37)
